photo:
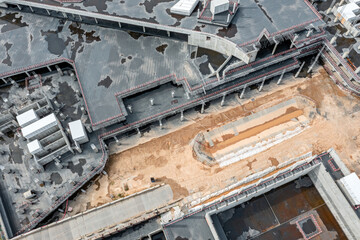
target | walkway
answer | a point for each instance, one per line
(104, 216)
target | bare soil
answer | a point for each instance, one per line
(169, 159)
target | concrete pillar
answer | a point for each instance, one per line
(243, 92)
(18, 7)
(196, 51)
(48, 12)
(274, 49)
(160, 124)
(187, 95)
(138, 131)
(88, 128)
(78, 93)
(198, 13)
(309, 32)
(96, 20)
(223, 100)
(151, 101)
(333, 40)
(168, 33)
(94, 148)
(294, 40)
(316, 59)
(348, 32)
(341, 2)
(48, 67)
(59, 70)
(83, 110)
(300, 68)
(144, 30)
(357, 70)
(32, 10)
(345, 54)
(281, 77)
(4, 80)
(262, 84)
(202, 108)
(335, 19)
(64, 14)
(78, 148)
(328, 10)
(182, 115)
(129, 107)
(228, 18)
(116, 139)
(27, 74)
(173, 94)
(119, 24)
(80, 17)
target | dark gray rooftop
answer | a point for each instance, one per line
(251, 18)
(24, 38)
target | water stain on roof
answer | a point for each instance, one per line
(106, 82)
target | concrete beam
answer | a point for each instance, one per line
(274, 49)
(281, 77)
(243, 92)
(202, 108)
(300, 68)
(316, 59)
(357, 70)
(333, 40)
(223, 100)
(294, 40)
(262, 84)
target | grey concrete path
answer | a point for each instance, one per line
(110, 214)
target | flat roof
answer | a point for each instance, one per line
(351, 183)
(347, 11)
(251, 18)
(39, 124)
(77, 130)
(24, 40)
(26, 117)
(34, 146)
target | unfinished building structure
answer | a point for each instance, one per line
(254, 40)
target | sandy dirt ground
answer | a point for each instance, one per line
(169, 159)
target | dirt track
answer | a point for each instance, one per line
(170, 158)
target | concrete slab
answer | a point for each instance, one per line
(106, 215)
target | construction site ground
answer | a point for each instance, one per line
(167, 155)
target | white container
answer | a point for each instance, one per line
(78, 132)
(219, 6)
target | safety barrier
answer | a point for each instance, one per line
(314, 161)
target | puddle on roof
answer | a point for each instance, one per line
(7, 60)
(11, 22)
(161, 48)
(100, 5)
(150, 4)
(229, 32)
(106, 82)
